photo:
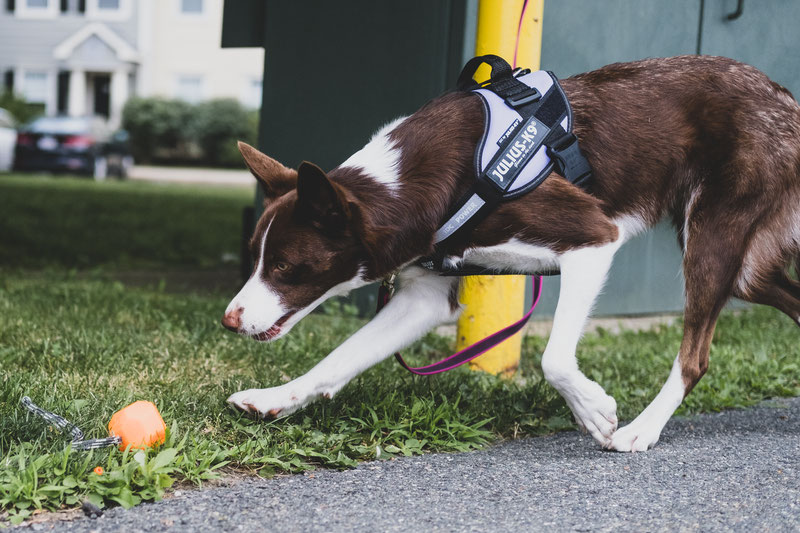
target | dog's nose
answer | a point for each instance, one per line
(232, 319)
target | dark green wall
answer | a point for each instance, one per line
(333, 75)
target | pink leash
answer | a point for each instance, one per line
(470, 352)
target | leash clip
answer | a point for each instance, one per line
(388, 283)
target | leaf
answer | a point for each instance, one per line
(139, 457)
(163, 458)
(18, 517)
(96, 499)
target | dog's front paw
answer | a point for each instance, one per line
(638, 436)
(594, 411)
(275, 402)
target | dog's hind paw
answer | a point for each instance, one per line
(275, 402)
(635, 437)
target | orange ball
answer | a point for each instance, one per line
(139, 425)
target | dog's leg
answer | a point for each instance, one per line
(423, 301)
(778, 291)
(710, 267)
(583, 273)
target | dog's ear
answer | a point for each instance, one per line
(320, 201)
(274, 178)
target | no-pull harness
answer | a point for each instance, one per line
(527, 134)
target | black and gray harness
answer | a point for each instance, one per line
(527, 135)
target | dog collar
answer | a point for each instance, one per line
(527, 134)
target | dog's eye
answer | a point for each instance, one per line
(280, 266)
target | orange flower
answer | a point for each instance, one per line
(98, 470)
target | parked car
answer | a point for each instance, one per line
(73, 144)
(8, 138)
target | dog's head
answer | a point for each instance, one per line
(307, 247)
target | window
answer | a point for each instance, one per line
(113, 10)
(35, 8)
(34, 86)
(190, 88)
(192, 7)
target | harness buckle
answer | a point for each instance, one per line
(532, 94)
(571, 163)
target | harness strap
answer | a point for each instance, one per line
(470, 352)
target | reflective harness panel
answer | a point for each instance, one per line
(527, 134)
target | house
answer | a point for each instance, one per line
(79, 57)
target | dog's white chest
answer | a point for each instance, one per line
(513, 255)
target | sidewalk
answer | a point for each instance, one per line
(207, 176)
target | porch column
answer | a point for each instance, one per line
(76, 104)
(119, 95)
(51, 94)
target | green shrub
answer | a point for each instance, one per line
(156, 126)
(174, 131)
(217, 124)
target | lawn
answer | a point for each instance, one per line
(74, 223)
(84, 344)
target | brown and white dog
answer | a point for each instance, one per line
(709, 142)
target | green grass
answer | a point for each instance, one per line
(84, 346)
(77, 223)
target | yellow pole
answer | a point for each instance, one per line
(493, 302)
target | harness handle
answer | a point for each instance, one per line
(470, 352)
(500, 70)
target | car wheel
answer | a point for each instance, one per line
(100, 168)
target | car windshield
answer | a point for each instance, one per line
(67, 125)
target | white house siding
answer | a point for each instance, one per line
(185, 47)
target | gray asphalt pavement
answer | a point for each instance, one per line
(736, 470)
